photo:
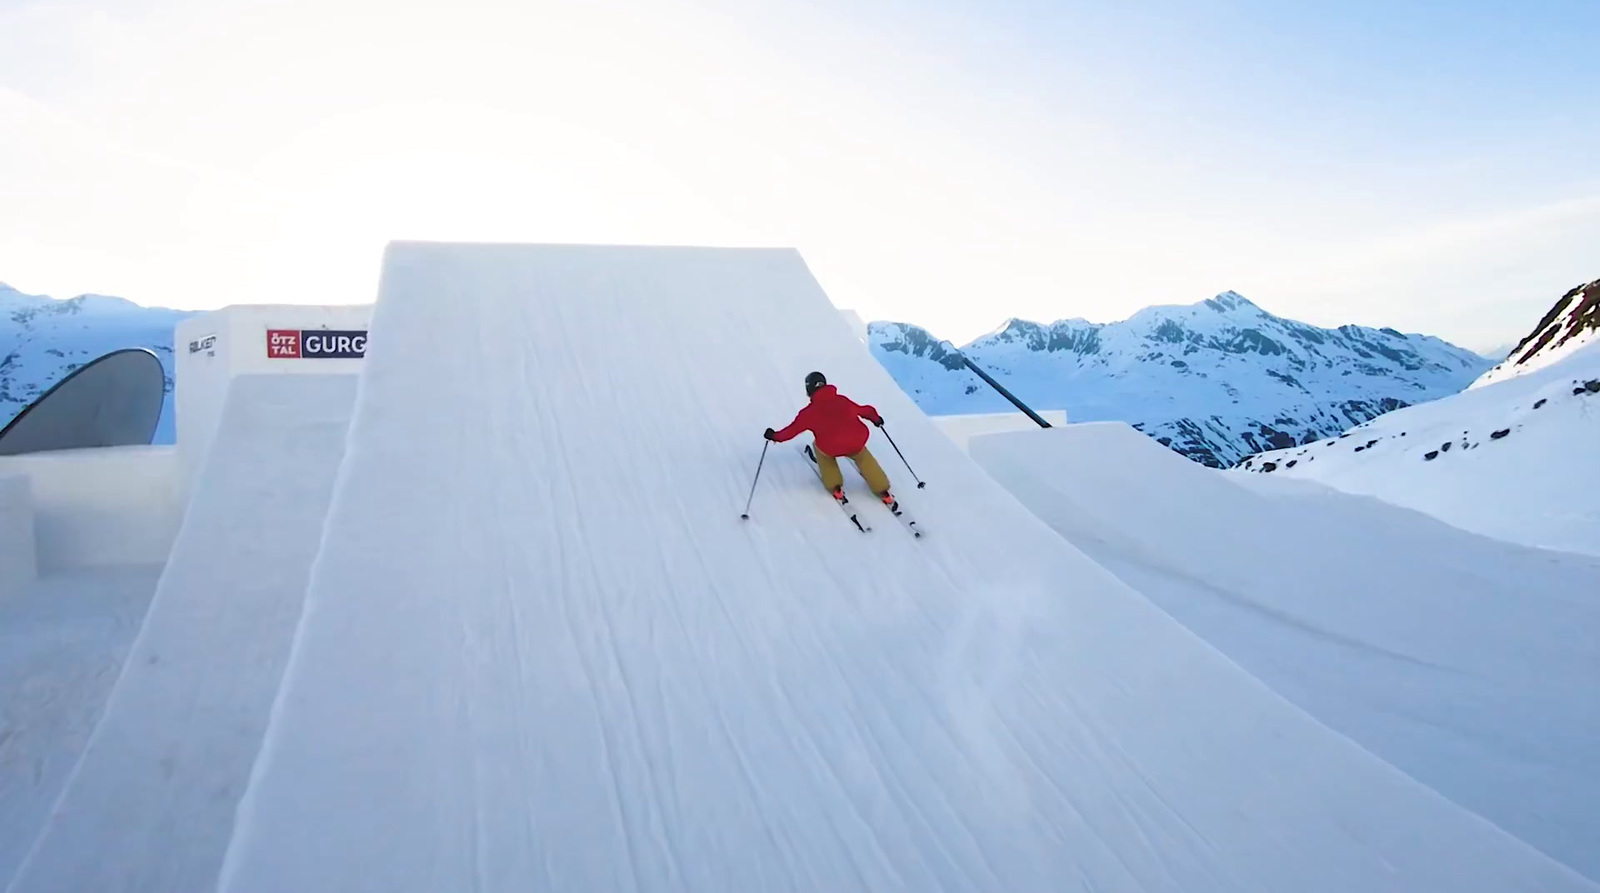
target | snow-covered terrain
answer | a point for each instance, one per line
(1216, 381)
(1510, 459)
(154, 794)
(1573, 322)
(61, 646)
(1469, 663)
(540, 651)
(43, 339)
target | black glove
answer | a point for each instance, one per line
(878, 421)
(770, 434)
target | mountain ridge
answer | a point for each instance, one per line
(1249, 380)
(1571, 323)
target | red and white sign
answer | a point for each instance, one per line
(283, 344)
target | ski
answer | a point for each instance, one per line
(896, 509)
(901, 515)
(842, 500)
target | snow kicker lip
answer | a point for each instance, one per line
(526, 663)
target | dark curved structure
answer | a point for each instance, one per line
(112, 401)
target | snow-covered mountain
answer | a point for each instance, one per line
(1508, 459)
(43, 339)
(1216, 381)
(1573, 322)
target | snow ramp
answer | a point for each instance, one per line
(1467, 662)
(150, 805)
(541, 651)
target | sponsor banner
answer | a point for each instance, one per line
(206, 345)
(316, 344)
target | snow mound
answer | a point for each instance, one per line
(541, 651)
(153, 796)
(1467, 662)
(1502, 460)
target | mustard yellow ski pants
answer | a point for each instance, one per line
(871, 471)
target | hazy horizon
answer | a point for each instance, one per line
(947, 164)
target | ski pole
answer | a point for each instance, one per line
(920, 483)
(764, 445)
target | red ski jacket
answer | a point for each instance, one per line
(835, 420)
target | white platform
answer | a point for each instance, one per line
(962, 428)
(212, 348)
(101, 507)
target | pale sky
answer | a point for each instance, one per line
(1431, 166)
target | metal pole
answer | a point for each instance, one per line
(1003, 392)
(764, 445)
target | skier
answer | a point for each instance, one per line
(834, 420)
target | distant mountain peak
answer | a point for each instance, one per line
(1215, 380)
(1230, 301)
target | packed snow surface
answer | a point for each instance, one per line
(1469, 663)
(154, 794)
(1511, 460)
(61, 645)
(541, 651)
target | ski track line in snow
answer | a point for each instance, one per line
(541, 651)
(153, 796)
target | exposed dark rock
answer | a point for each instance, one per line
(1539, 403)
(1430, 455)
(1496, 435)
(1445, 447)
(1291, 463)
(1269, 466)
(1577, 312)
(917, 342)
(1592, 386)
(1360, 448)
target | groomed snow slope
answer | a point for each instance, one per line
(1467, 662)
(540, 651)
(61, 645)
(1533, 485)
(150, 805)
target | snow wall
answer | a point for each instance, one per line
(255, 339)
(540, 651)
(101, 507)
(153, 796)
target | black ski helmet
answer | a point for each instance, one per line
(814, 381)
